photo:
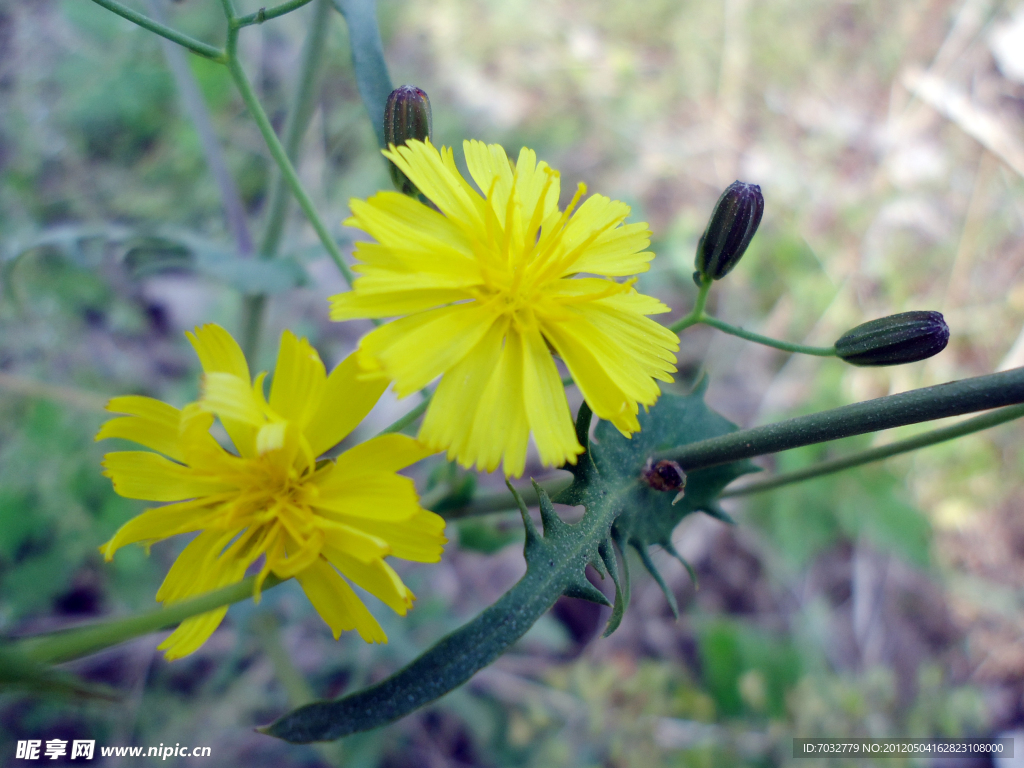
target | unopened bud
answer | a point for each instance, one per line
(730, 229)
(406, 116)
(894, 340)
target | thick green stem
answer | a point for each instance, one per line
(953, 399)
(786, 346)
(74, 643)
(277, 151)
(932, 437)
(197, 47)
(300, 111)
(266, 14)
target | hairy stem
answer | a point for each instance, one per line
(932, 437)
(953, 399)
(197, 47)
(69, 644)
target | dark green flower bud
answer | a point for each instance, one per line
(894, 340)
(406, 116)
(732, 225)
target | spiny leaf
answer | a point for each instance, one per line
(620, 508)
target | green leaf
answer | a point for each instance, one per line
(620, 509)
(368, 59)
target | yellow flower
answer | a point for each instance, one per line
(487, 288)
(272, 499)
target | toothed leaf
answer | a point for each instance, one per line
(620, 507)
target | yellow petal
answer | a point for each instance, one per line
(379, 495)
(191, 634)
(218, 351)
(420, 538)
(232, 399)
(451, 414)
(149, 476)
(617, 252)
(195, 570)
(351, 305)
(376, 577)
(149, 422)
(162, 522)
(385, 453)
(501, 431)
(346, 400)
(423, 164)
(337, 604)
(299, 380)
(414, 350)
(487, 162)
(352, 541)
(547, 410)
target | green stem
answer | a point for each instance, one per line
(266, 14)
(954, 399)
(486, 503)
(697, 313)
(69, 644)
(786, 346)
(197, 47)
(399, 424)
(277, 151)
(932, 437)
(299, 113)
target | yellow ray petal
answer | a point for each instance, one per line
(380, 495)
(337, 604)
(414, 350)
(386, 453)
(163, 522)
(299, 380)
(376, 577)
(144, 475)
(451, 415)
(547, 410)
(616, 253)
(195, 570)
(191, 634)
(487, 162)
(353, 542)
(148, 422)
(350, 305)
(232, 399)
(346, 400)
(419, 538)
(218, 351)
(422, 163)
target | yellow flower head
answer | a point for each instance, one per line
(272, 499)
(487, 288)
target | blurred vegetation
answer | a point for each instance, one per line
(881, 602)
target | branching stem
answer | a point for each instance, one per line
(197, 47)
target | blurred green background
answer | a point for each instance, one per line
(888, 139)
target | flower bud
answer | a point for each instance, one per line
(731, 227)
(894, 340)
(406, 116)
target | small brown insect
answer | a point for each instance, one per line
(664, 476)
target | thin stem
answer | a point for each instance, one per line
(195, 106)
(959, 397)
(277, 151)
(399, 424)
(266, 14)
(786, 346)
(197, 47)
(299, 113)
(697, 313)
(932, 437)
(69, 644)
(486, 503)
